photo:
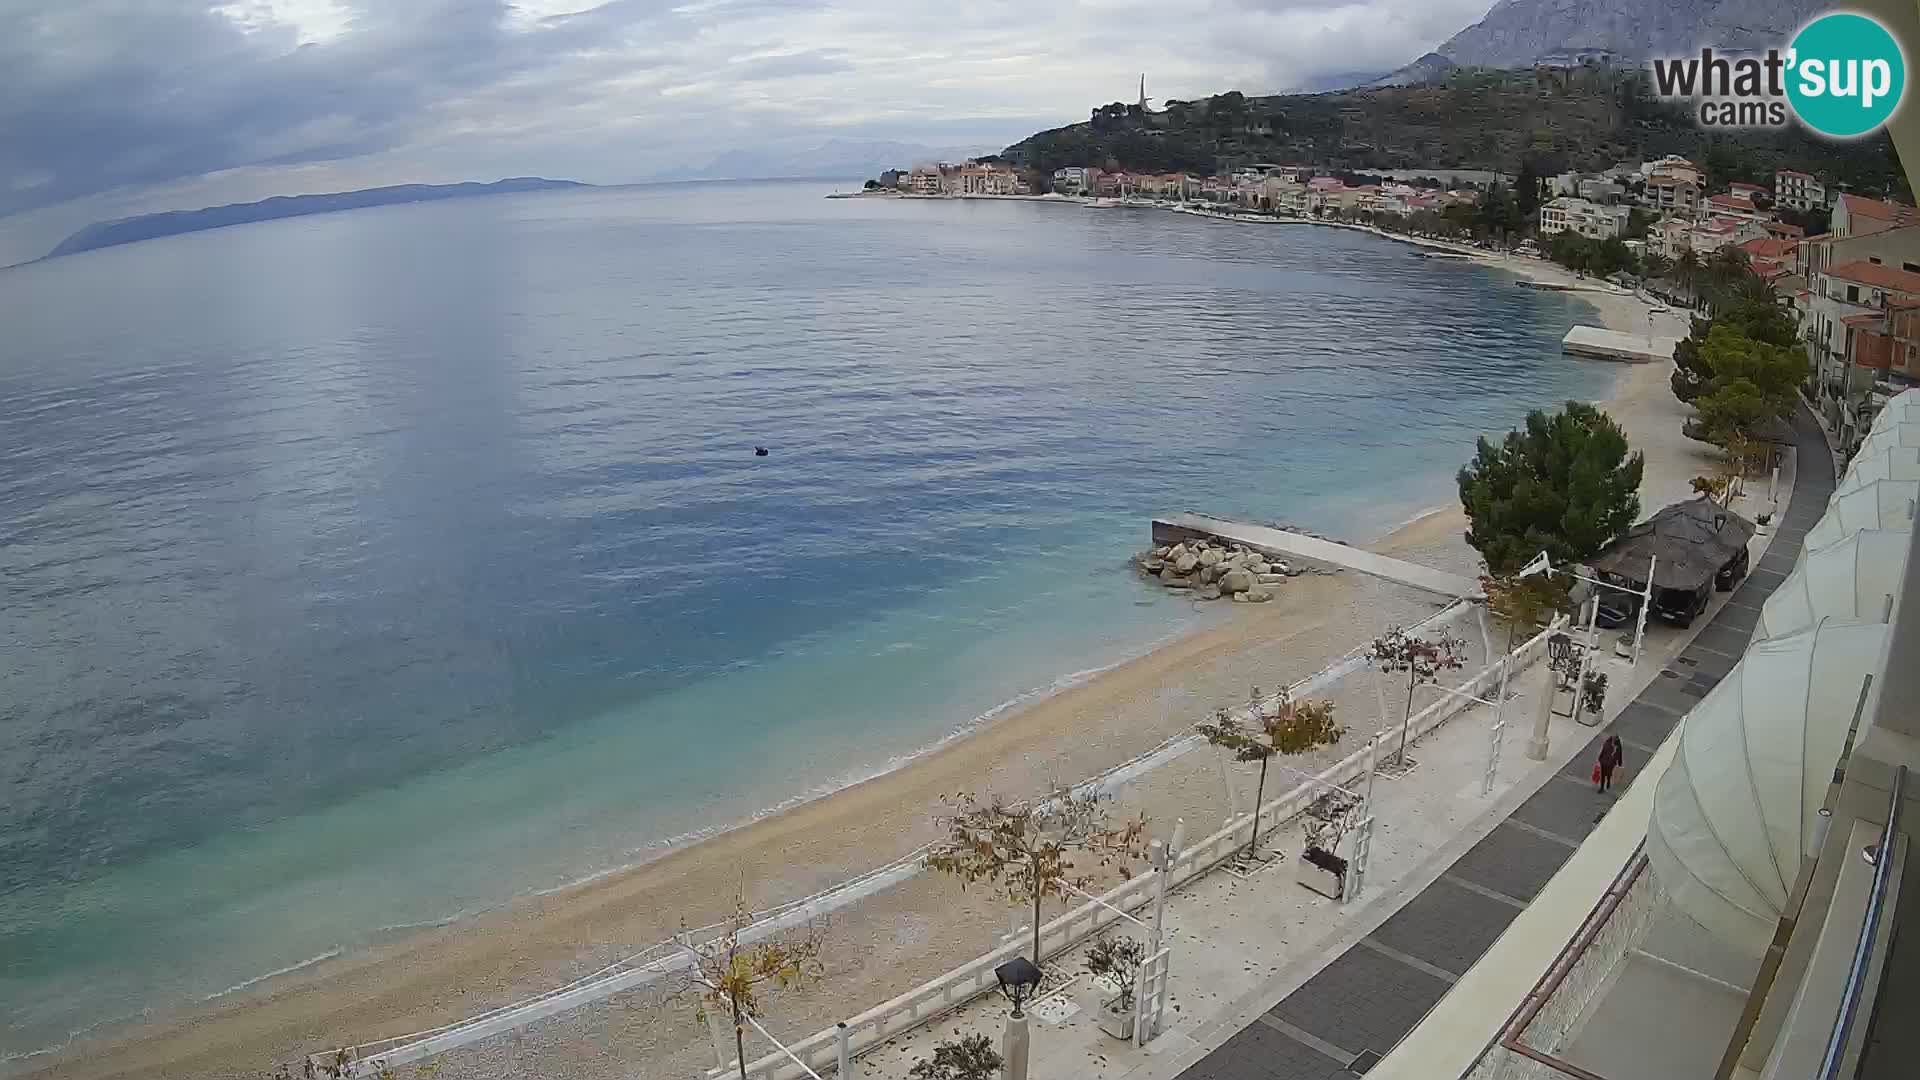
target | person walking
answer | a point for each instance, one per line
(1611, 753)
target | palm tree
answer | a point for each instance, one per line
(1686, 268)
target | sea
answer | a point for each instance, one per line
(364, 571)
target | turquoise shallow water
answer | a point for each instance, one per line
(365, 569)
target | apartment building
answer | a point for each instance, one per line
(1798, 190)
(1589, 219)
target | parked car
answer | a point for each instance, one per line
(1616, 612)
(1730, 574)
(1681, 606)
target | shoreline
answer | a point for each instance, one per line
(427, 976)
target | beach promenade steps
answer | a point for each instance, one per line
(1282, 544)
(1349, 1014)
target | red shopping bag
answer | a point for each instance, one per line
(1596, 772)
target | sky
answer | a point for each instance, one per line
(118, 104)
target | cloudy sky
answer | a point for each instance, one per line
(169, 100)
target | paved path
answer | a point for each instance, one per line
(1350, 1014)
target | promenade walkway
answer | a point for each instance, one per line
(1349, 1013)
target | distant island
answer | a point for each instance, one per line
(102, 234)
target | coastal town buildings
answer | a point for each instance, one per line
(1589, 219)
(1672, 195)
(1675, 167)
(984, 178)
(1798, 191)
(1857, 215)
(1075, 179)
(1737, 206)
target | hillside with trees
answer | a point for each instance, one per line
(1553, 119)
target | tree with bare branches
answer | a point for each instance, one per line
(731, 973)
(1285, 727)
(1032, 850)
(1422, 659)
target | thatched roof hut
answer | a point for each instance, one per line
(1691, 539)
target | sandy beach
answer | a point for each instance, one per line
(894, 940)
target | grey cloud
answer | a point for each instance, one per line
(118, 96)
(811, 62)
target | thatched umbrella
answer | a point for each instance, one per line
(1692, 541)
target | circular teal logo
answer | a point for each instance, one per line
(1845, 75)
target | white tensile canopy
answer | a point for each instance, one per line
(1737, 810)
(1894, 463)
(1900, 408)
(1882, 504)
(1848, 579)
(1904, 433)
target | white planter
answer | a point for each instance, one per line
(1325, 882)
(1116, 1021)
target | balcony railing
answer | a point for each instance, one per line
(1835, 1056)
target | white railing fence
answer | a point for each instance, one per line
(941, 995)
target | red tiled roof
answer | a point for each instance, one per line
(1768, 247)
(1876, 209)
(1883, 277)
(1785, 228)
(1731, 202)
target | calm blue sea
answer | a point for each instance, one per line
(364, 569)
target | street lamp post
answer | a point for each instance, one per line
(1018, 978)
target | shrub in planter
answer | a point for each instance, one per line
(971, 1057)
(1328, 861)
(1594, 697)
(1117, 960)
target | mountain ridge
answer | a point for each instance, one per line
(130, 230)
(1521, 33)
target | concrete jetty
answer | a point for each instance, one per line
(1283, 544)
(1605, 344)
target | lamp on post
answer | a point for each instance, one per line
(1019, 978)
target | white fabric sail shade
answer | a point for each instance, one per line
(1880, 439)
(1882, 504)
(1894, 463)
(1737, 809)
(1900, 408)
(1849, 579)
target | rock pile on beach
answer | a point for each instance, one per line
(1212, 569)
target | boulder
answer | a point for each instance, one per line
(1254, 596)
(1236, 581)
(1161, 552)
(1178, 581)
(1209, 574)
(1185, 562)
(1239, 598)
(1269, 579)
(1152, 566)
(1209, 557)
(1259, 566)
(1175, 552)
(1208, 592)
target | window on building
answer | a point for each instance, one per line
(1853, 294)
(1874, 259)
